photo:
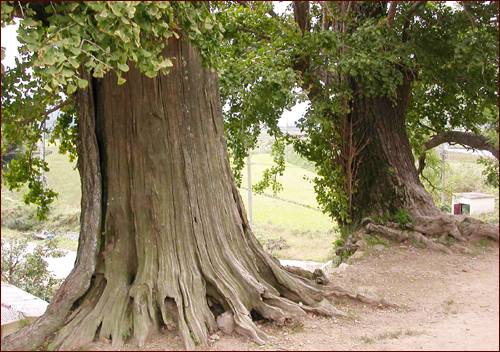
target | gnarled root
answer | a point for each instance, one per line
(425, 230)
(476, 229)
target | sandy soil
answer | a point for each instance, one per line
(448, 302)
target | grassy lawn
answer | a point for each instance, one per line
(295, 187)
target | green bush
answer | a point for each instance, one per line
(19, 216)
(29, 271)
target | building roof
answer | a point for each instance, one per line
(473, 195)
(17, 304)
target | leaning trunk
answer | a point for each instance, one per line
(164, 236)
(387, 177)
(386, 185)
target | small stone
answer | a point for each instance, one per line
(379, 247)
(358, 255)
(327, 266)
(104, 340)
(362, 244)
(343, 267)
(226, 322)
(215, 337)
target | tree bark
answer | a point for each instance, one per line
(387, 179)
(164, 230)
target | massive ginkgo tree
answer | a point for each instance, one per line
(164, 235)
(382, 78)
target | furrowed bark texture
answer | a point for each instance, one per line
(388, 179)
(169, 224)
(78, 281)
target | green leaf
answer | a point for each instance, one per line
(71, 88)
(30, 22)
(122, 36)
(121, 80)
(29, 37)
(72, 60)
(165, 63)
(123, 67)
(82, 83)
(67, 72)
(151, 74)
(49, 57)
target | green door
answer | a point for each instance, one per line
(466, 209)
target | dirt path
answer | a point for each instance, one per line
(449, 302)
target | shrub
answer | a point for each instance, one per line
(29, 271)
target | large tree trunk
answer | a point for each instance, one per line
(387, 177)
(387, 180)
(164, 231)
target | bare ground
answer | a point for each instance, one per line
(448, 302)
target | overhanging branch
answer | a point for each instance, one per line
(466, 139)
(46, 113)
(391, 13)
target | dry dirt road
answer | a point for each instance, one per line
(449, 302)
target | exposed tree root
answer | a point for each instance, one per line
(426, 230)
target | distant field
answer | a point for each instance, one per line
(308, 232)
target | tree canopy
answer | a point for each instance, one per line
(60, 41)
(266, 63)
(448, 51)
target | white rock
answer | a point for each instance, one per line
(343, 267)
(226, 322)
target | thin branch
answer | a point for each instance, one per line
(411, 11)
(96, 59)
(427, 127)
(46, 113)
(248, 30)
(53, 8)
(60, 30)
(88, 41)
(391, 13)
(273, 14)
(430, 183)
(21, 8)
(408, 15)
(471, 18)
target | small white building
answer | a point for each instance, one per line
(472, 203)
(18, 308)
